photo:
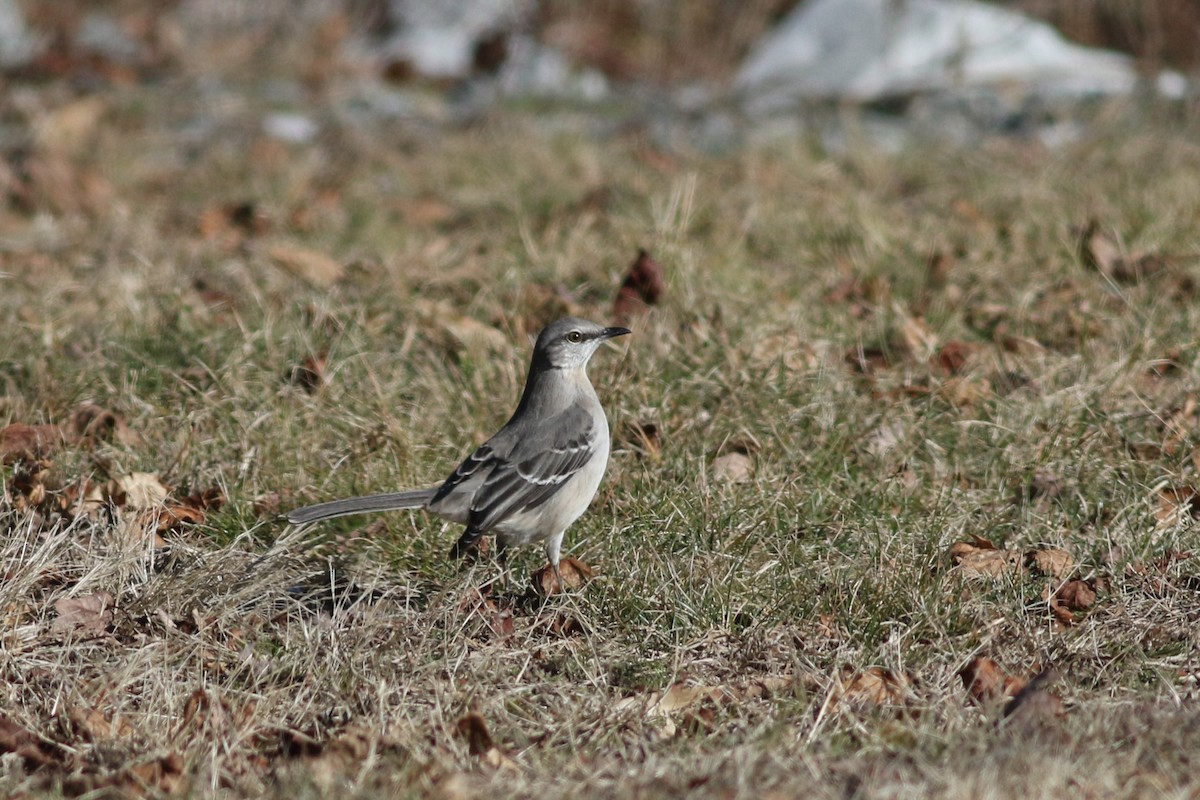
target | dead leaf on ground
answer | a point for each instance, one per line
(95, 725)
(682, 697)
(575, 575)
(473, 729)
(974, 562)
(311, 266)
(986, 682)
(874, 687)
(425, 212)
(163, 776)
(90, 614)
(1035, 706)
(67, 130)
(918, 339)
(1103, 253)
(458, 333)
(643, 287)
(310, 375)
(139, 491)
(92, 423)
(644, 437)
(232, 223)
(953, 356)
(1051, 561)
(30, 442)
(27, 746)
(1077, 595)
(1178, 503)
(733, 467)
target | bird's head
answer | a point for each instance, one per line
(568, 343)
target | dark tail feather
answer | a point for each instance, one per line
(416, 498)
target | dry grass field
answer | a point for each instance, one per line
(903, 432)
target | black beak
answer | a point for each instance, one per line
(612, 333)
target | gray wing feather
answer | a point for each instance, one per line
(539, 464)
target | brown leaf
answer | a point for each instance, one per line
(425, 212)
(953, 355)
(1178, 502)
(1102, 252)
(734, 467)
(311, 266)
(33, 752)
(29, 442)
(91, 423)
(1050, 561)
(1076, 595)
(473, 729)
(67, 130)
(918, 340)
(974, 562)
(986, 682)
(310, 375)
(575, 574)
(1034, 705)
(644, 437)
(873, 687)
(642, 287)
(140, 491)
(163, 775)
(89, 614)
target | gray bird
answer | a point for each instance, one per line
(538, 474)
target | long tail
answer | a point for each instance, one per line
(415, 498)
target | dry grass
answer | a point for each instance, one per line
(243, 658)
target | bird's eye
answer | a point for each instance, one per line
(574, 337)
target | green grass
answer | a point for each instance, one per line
(344, 658)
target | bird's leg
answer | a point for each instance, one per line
(553, 552)
(502, 561)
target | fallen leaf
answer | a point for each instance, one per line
(95, 725)
(89, 614)
(575, 574)
(642, 287)
(867, 359)
(29, 442)
(473, 729)
(1176, 503)
(459, 333)
(872, 687)
(425, 212)
(1077, 595)
(91, 423)
(1050, 561)
(953, 355)
(1102, 252)
(974, 562)
(33, 752)
(986, 682)
(1034, 706)
(645, 437)
(733, 468)
(164, 775)
(310, 375)
(67, 130)
(311, 266)
(140, 490)
(919, 341)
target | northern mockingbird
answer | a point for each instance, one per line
(538, 474)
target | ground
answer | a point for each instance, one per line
(896, 420)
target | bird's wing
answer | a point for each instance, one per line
(537, 466)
